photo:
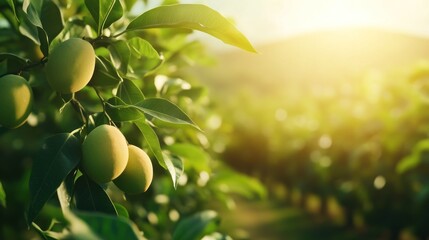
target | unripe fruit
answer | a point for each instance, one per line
(105, 154)
(138, 174)
(70, 65)
(16, 101)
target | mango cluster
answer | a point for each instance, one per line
(107, 157)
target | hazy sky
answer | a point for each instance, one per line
(267, 20)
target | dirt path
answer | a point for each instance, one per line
(265, 220)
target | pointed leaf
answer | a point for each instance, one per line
(142, 48)
(104, 12)
(65, 191)
(121, 112)
(120, 54)
(51, 19)
(192, 16)
(152, 141)
(197, 225)
(91, 197)
(165, 110)
(174, 167)
(194, 156)
(12, 6)
(105, 74)
(60, 154)
(129, 92)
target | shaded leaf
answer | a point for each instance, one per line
(12, 6)
(197, 225)
(192, 16)
(60, 154)
(105, 74)
(120, 54)
(129, 92)
(2, 196)
(65, 191)
(51, 19)
(14, 63)
(91, 197)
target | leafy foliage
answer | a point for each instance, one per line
(127, 90)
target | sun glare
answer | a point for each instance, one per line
(331, 14)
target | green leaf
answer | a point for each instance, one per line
(105, 74)
(12, 6)
(106, 227)
(122, 211)
(192, 16)
(194, 156)
(51, 19)
(65, 191)
(165, 110)
(91, 197)
(142, 48)
(119, 111)
(152, 141)
(60, 154)
(32, 10)
(44, 41)
(104, 12)
(197, 225)
(27, 29)
(120, 54)
(2, 196)
(238, 183)
(174, 166)
(129, 92)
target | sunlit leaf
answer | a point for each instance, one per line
(174, 166)
(104, 12)
(197, 225)
(152, 141)
(192, 16)
(119, 111)
(165, 110)
(91, 197)
(59, 155)
(230, 181)
(142, 48)
(194, 156)
(122, 211)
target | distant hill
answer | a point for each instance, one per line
(322, 57)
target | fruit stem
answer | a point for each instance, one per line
(103, 103)
(27, 67)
